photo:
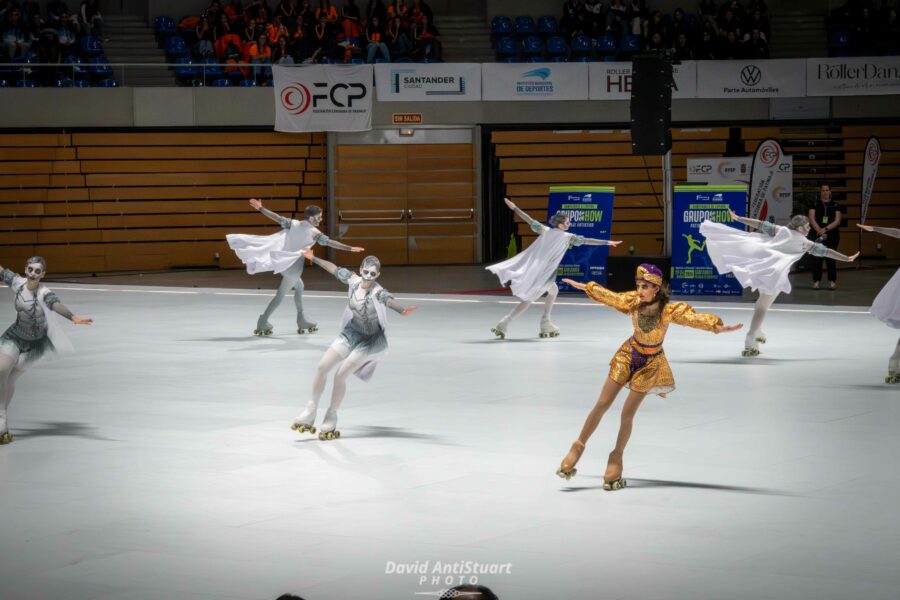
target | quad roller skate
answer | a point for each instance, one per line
(548, 329)
(500, 329)
(751, 344)
(612, 479)
(263, 327)
(304, 326)
(567, 468)
(329, 427)
(304, 421)
(5, 437)
(892, 378)
(760, 337)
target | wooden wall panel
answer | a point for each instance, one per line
(148, 200)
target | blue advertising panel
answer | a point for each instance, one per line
(692, 269)
(590, 213)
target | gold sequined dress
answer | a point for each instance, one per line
(640, 363)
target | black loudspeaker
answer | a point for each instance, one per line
(620, 270)
(651, 105)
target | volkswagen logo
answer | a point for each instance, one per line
(750, 75)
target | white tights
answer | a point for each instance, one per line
(521, 307)
(348, 365)
(759, 313)
(9, 373)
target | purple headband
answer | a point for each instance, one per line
(650, 273)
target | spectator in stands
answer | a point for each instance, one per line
(298, 41)
(258, 11)
(735, 7)
(656, 24)
(865, 33)
(15, 35)
(375, 40)
(426, 44)
(708, 13)
(306, 16)
(396, 38)
(282, 54)
(730, 47)
(275, 31)
(636, 15)
(755, 47)
(680, 26)
(708, 45)
(261, 54)
(376, 8)
(889, 36)
(213, 11)
(728, 23)
(248, 32)
(204, 31)
(328, 11)
(420, 12)
(574, 18)
(398, 8)
(656, 43)
(28, 10)
(68, 36)
(287, 12)
(57, 11)
(351, 20)
(759, 21)
(44, 40)
(234, 11)
(682, 48)
(617, 19)
(322, 40)
(594, 18)
(759, 5)
(91, 20)
(222, 36)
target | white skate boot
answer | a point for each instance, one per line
(263, 327)
(329, 426)
(548, 329)
(893, 371)
(305, 420)
(5, 436)
(751, 344)
(500, 329)
(761, 336)
(304, 326)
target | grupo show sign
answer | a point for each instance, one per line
(320, 98)
(612, 80)
(853, 76)
(750, 79)
(431, 82)
(693, 271)
(590, 213)
(534, 81)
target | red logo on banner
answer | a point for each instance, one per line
(770, 154)
(295, 98)
(873, 154)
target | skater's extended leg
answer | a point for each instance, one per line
(607, 396)
(612, 478)
(288, 280)
(339, 389)
(8, 375)
(894, 365)
(305, 420)
(302, 323)
(755, 335)
(500, 329)
(548, 329)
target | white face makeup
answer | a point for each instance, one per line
(316, 220)
(369, 272)
(35, 271)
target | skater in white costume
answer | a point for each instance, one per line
(281, 253)
(36, 332)
(762, 261)
(359, 345)
(887, 305)
(532, 273)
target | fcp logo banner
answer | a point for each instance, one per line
(323, 97)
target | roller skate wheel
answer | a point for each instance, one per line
(6, 438)
(498, 333)
(301, 331)
(312, 329)
(542, 335)
(750, 352)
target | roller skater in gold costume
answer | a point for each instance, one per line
(640, 364)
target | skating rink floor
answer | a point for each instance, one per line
(157, 463)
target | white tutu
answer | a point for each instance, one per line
(276, 252)
(531, 272)
(887, 303)
(758, 261)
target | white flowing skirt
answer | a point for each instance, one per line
(758, 261)
(887, 303)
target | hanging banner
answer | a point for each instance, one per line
(534, 81)
(777, 78)
(863, 76)
(871, 159)
(768, 174)
(429, 82)
(736, 171)
(323, 98)
(612, 80)
(590, 212)
(692, 270)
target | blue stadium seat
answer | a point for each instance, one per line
(561, 59)
(557, 46)
(547, 25)
(221, 82)
(692, 21)
(73, 60)
(357, 61)
(247, 83)
(511, 59)
(381, 61)
(4, 83)
(582, 45)
(62, 82)
(176, 47)
(29, 83)
(82, 83)
(213, 72)
(100, 67)
(429, 61)
(506, 47)
(839, 39)
(185, 68)
(536, 59)
(501, 25)
(108, 83)
(525, 25)
(583, 58)
(165, 26)
(630, 43)
(91, 46)
(606, 44)
(608, 58)
(532, 45)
